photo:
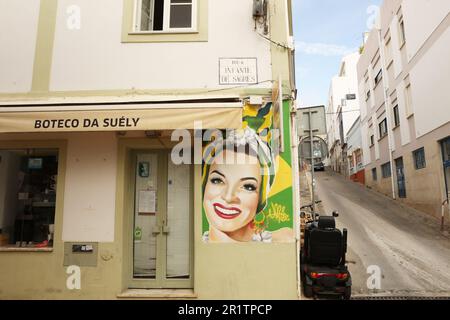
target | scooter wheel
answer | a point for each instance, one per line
(348, 293)
(308, 291)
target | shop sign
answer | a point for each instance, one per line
(120, 120)
(238, 71)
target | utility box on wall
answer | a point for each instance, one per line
(82, 254)
(258, 8)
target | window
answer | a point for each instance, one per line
(378, 77)
(165, 16)
(386, 170)
(372, 140)
(29, 178)
(358, 157)
(396, 116)
(383, 128)
(419, 159)
(388, 51)
(408, 97)
(368, 95)
(374, 174)
(375, 59)
(402, 31)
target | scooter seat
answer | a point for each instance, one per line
(325, 247)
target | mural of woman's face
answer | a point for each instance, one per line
(232, 193)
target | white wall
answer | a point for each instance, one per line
(354, 139)
(395, 46)
(18, 30)
(94, 57)
(430, 83)
(421, 19)
(341, 86)
(365, 143)
(90, 188)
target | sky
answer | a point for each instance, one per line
(325, 31)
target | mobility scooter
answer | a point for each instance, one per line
(323, 266)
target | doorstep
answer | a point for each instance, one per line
(158, 294)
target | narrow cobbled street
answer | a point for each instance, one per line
(408, 247)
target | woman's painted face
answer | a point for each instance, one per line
(232, 193)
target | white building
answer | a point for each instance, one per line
(404, 76)
(354, 153)
(91, 96)
(342, 110)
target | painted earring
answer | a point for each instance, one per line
(258, 222)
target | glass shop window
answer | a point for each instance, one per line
(28, 180)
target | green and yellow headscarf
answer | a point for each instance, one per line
(239, 140)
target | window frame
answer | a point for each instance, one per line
(401, 31)
(396, 117)
(368, 95)
(386, 171)
(383, 123)
(130, 36)
(408, 98)
(166, 22)
(378, 78)
(388, 49)
(423, 164)
(374, 174)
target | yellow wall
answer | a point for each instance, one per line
(221, 271)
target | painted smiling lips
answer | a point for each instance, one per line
(226, 212)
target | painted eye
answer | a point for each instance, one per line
(216, 181)
(249, 187)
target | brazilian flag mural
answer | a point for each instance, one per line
(247, 182)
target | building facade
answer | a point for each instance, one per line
(342, 111)
(100, 198)
(354, 153)
(403, 75)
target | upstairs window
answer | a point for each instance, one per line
(408, 98)
(378, 77)
(419, 159)
(396, 116)
(388, 49)
(383, 128)
(165, 16)
(402, 32)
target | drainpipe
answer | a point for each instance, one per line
(446, 201)
(386, 108)
(295, 172)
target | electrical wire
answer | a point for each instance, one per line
(347, 111)
(274, 42)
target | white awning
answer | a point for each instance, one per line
(120, 117)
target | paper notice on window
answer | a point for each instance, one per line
(147, 201)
